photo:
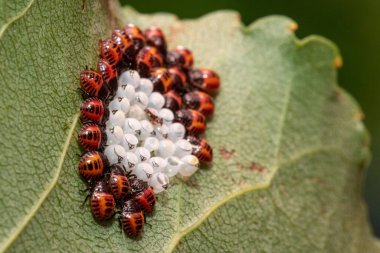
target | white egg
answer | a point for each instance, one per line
(116, 119)
(190, 164)
(173, 166)
(158, 163)
(131, 77)
(183, 148)
(147, 129)
(143, 171)
(130, 161)
(126, 91)
(129, 142)
(161, 132)
(166, 148)
(136, 112)
(176, 132)
(142, 154)
(141, 99)
(146, 86)
(156, 100)
(114, 105)
(151, 144)
(125, 105)
(167, 116)
(114, 135)
(119, 103)
(159, 182)
(115, 154)
(132, 126)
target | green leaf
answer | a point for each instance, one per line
(290, 147)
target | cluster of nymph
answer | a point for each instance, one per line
(144, 111)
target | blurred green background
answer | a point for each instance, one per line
(354, 26)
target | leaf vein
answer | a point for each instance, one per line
(256, 187)
(24, 222)
(15, 18)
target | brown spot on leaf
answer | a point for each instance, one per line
(191, 182)
(229, 180)
(293, 27)
(239, 166)
(226, 154)
(173, 31)
(84, 9)
(338, 62)
(242, 181)
(336, 95)
(181, 246)
(254, 166)
(359, 116)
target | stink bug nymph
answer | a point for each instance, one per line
(155, 38)
(132, 218)
(136, 35)
(92, 165)
(92, 137)
(194, 121)
(200, 101)
(118, 183)
(92, 84)
(162, 80)
(102, 202)
(179, 80)
(148, 59)
(202, 150)
(180, 57)
(110, 51)
(143, 195)
(126, 46)
(93, 110)
(109, 74)
(173, 101)
(205, 79)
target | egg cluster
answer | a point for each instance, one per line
(151, 150)
(143, 115)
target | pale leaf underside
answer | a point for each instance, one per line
(289, 146)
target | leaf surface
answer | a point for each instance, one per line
(290, 147)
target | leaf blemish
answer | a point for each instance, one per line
(335, 96)
(293, 27)
(226, 154)
(359, 116)
(254, 166)
(181, 246)
(191, 182)
(242, 181)
(239, 166)
(84, 5)
(338, 62)
(174, 30)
